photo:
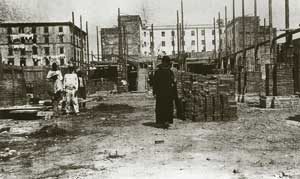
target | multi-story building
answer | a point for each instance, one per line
(197, 38)
(131, 30)
(42, 43)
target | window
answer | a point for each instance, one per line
(203, 42)
(213, 42)
(151, 34)
(9, 30)
(23, 40)
(62, 61)
(60, 29)
(34, 50)
(193, 42)
(145, 34)
(23, 52)
(163, 43)
(35, 62)
(34, 39)
(220, 31)
(46, 29)
(183, 43)
(192, 33)
(33, 30)
(145, 44)
(10, 51)
(47, 50)
(163, 34)
(213, 32)
(61, 50)
(23, 62)
(61, 39)
(46, 39)
(173, 33)
(203, 32)
(11, 61)
(21, 29)
(173, 43)
(9, 39)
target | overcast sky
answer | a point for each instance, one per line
(104, 12)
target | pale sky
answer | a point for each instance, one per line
(104, 12)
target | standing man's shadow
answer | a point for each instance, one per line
(154, 125)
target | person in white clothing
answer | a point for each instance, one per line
(56, 77)
(71, 88)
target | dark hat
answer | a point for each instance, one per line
(166, 59)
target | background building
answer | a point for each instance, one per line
(42, 43)
(197, 38)
(253, 35)
(131, 30)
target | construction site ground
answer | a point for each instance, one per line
(116, 138)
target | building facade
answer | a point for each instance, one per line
(131, 30)
(253, 36)
(42, 43)
(197, 38)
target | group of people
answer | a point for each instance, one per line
(165, 92)
(66, 89)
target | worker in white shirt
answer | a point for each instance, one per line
(71, 88)
(56, 77)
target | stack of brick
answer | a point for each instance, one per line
(254, 83)
(284, 81)
(208, 98)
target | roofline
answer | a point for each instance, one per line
(55, 23)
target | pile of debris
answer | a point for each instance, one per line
(207, 97)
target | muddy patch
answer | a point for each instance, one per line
(50, 131)
(116, 108)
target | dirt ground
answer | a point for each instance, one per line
(116, 138)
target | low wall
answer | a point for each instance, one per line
(281, 102)
(100, 85)
(12, 86)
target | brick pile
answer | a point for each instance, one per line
(207, 98)
(285, 81)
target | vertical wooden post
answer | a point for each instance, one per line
(73, 39)
(226, 33)
(255, 31)
(226, 39)
(182, 24)
(197, 34)
(87, 46)
(215, 41)
(81, 42)
(219, 32)
(264, 29)
(233, 28)
(244, 34)
(178, 35)
(271, 32)
(120, 35)
(98, 53)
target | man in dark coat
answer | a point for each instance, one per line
(163, 84)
